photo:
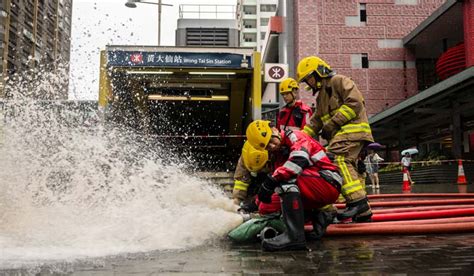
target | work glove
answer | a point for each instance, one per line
(329, 130)
(249, 207)
(267, 189)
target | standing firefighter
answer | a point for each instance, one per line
(295, 114)
(341, 119)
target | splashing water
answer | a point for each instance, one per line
(72, 191)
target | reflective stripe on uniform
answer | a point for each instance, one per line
(287, 188)
(325, 118)
(326, 207)
(344, 170)
(347, 112)
(292, 137)
(349, 185)
(240, 185)
(354, 128)
(299, 153)
(318, 156)
(293, 167)
(309, 131)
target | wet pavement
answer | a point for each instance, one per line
(429, 255)
(447, 254)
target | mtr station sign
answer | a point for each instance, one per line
(275, 72)
(177, 59)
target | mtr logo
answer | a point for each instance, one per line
(136, 58)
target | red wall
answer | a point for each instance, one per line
(468, 22)
(320, 30)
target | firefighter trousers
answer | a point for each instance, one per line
(346, 153)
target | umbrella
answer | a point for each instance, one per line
(375, 146)
(410, 151)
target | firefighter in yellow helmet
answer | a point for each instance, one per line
(304, 177)
(295, 114)
(341, 119)
(251, 170)
(251, 161)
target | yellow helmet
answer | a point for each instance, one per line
(259, 134)
(254, 160)
(311, 64)
(287, 85)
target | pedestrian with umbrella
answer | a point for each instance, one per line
(372, 164)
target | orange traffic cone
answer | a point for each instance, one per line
(461, 176)
(406, 184)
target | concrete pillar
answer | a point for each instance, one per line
(468, 22)
(456, 131)
(286, 48)
(401, 136)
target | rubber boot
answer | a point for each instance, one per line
(363, 217)
(354, 208)
(321, 221)
(293, 217)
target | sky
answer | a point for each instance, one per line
(97, 23)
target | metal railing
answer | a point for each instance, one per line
(207, 12)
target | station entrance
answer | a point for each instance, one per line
(196, 101)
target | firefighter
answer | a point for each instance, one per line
(295, 114)
(341, 119)
(251, 169)
(307, 180)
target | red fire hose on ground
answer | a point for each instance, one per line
(421, 195)
(429, 202)
(414, 214)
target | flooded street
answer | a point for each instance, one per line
(447, 254)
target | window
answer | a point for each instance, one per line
(262, 35)
(250, 37)
(250, 23)
(363, 12)
(268, 8)
(365, 61)
(250, 10)
(264, 21)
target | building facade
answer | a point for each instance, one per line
(363, 40)
(34, 32)
(207, 26)
(253, 17)
(439, 120)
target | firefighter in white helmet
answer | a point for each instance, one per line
(341, 119)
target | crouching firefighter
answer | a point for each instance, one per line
(307, 180)
(251, 171)
(341, 119)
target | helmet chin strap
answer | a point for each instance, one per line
(319, 83)
(293, 100)
(276, 134)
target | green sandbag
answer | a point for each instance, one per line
(248, 231)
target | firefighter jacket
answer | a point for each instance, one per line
(294, 117)
(243, 179)
(340, 100)
(306, 156)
